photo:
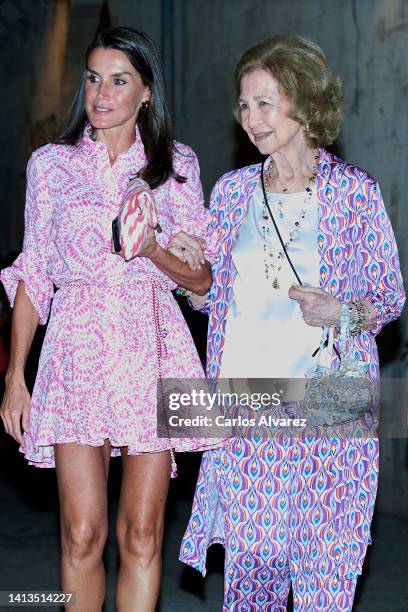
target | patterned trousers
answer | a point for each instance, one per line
(296, 513)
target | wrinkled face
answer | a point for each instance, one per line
(114, 90)
(264, 114)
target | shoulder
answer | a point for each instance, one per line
(342, 170)
(49, 155)
(184, 157)
(235, 180)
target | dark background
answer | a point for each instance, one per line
(42, 43)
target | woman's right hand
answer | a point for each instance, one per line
(188, 248)
(15, 409)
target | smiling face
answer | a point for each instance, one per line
(114, 90)
(264, 114)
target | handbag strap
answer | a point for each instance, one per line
(324, 337)
(327, 340)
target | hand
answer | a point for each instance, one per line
(319, 308)
(15, 410)
(188, 248)
(149, 245)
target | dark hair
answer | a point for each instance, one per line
(154, 122)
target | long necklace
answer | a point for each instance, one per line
(274, 260)
(269, 174)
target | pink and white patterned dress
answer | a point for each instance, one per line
(114, 325)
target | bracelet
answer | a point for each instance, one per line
(184, 292)
(359, 318)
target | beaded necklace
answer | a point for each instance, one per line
(274, 261)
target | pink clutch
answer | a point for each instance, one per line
(137, 213)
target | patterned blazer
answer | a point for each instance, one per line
(356, 244)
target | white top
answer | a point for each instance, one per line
(266, 336)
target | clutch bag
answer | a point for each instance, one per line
(136, 215)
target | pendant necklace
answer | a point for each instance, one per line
(274, 260)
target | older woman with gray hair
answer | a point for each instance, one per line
(306, 242)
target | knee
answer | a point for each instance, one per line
(140, 540)
(82, 540)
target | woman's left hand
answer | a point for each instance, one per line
(319, 308)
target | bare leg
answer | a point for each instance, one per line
(82, 474)
(142, 505)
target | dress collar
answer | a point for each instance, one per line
(89, 145)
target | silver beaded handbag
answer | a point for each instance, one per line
(338, 394)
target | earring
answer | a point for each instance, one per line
(144, 106)
(307, 127)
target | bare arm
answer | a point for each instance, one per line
(16, 400)
(190, 249)
(197, 280)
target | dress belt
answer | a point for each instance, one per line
(157, 281)
(161, 333)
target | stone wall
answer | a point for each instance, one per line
(22, 26)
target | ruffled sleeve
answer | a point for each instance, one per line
(33, 265)
(189, 213)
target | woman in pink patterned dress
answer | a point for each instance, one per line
(114, 326)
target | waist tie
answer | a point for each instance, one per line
(162, 353)
(158, 281)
